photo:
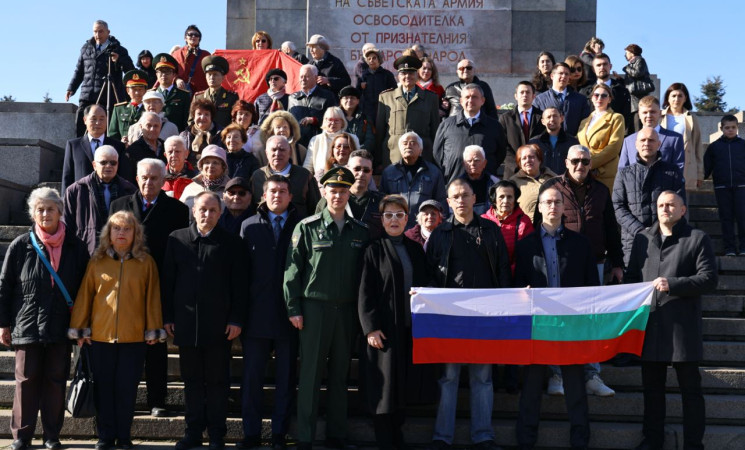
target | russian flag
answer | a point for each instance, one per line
(529, 326)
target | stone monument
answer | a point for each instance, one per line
(503, 37)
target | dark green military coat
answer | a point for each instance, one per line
(177, 106)
(124, 116)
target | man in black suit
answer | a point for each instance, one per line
(554, 256)
(267, 235)
(160, 215)
(79, 151)
(520, 125)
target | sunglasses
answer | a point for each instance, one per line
(238, 193)
(576, 161)
(600, 95)
(361, 169)
(261, 40)
(277, 78)
(465, 68)
(194, 35)
(575, 69)
(398, 215)
(107, 163)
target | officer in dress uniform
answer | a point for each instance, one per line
(215, 68)
(321, 284)
(126, 114)
(177, 101)
(405, 108)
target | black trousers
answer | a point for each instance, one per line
(576, 402)
(256, 353)
(388, 429)
(117, 369)
(654, 375)
(206, 374)
(41, 374)
(156, 373)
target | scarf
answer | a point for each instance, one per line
(276, 95)
(53, 244)
(215, 185)
(201, 140)
(425, 84)
(276, 103)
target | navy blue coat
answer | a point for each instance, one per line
(575, 108)
(266, 313)
(725, 161)
(91, 70)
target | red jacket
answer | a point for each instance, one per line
(185, 62)
(514, 227)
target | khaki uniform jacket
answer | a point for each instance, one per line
(118, 302)
(322, 263)
(396, 117)
(223, 100)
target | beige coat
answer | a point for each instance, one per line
(529, 187)
(604, 139)
(694, 148)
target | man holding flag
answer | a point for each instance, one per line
(680, 263)
(553, 256)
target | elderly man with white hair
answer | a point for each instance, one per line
(303, 186)
(153, 101)
(414, 178)
(160, 215)
(149, 145)
(309, 103)
(476, 175)
(87, 201)
(290, 49)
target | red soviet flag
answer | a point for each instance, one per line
(248, 69)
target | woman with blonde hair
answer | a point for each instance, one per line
(116, 313)
(282, 123)
(261, 41)
(319, 147)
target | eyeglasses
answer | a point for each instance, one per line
(576, 161)
(465, 68)
(552, 202)
(261, 40)
(194, 35)
(575, 69)
(600, 95)
(361, 169)
(275, 78)
(390, 215)
(238, 193)
(107, 163)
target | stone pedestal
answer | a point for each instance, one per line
(28, 162)
(50, 122)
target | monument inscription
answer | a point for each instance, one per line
(449, 30)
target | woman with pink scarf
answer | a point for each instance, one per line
(35, 314)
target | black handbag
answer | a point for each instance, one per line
(640, 88)
(81, 402)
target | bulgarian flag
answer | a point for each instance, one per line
(529, 326)
(248, 69)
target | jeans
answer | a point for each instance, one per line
(482, 401)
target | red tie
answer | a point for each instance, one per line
(526, 126)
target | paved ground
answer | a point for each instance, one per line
(139, 445)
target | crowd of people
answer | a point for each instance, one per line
(197, 216)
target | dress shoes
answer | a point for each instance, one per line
(187, 443)
(104, 444)
(125, 444)
(53, 444)
(20, 444)
(159, 412)
(217, 445)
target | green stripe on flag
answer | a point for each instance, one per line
(589, 327)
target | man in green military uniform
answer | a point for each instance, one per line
(321, 283)
(126, 114)
(405, 108)
(215, 68)
(177, 101)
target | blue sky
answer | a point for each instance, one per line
(684, 40)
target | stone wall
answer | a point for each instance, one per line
(50, 122)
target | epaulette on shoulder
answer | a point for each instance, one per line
(184, 90)
(200, 92)
(120, 104)
(312, 218)
(388, 90)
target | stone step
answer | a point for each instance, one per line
(723, 305)
(724, 328)
(704, 214)
(701, 198)
(418, 431)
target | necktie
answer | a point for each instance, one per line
(277, 228)
(106, 195)
(561, 100)
(526, 126)
(148, 205)
(471, 120)
(96, 144)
